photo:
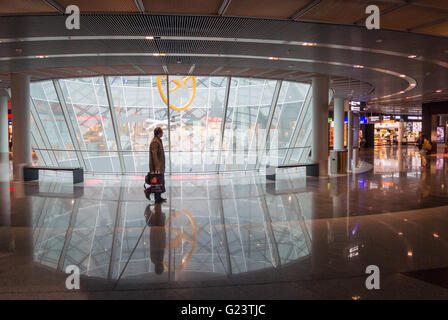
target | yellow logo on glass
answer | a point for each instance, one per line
(180, 83)
(185, 243)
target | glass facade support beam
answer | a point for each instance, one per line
(299, 124)
(223, 123)
(70, 128)
(43, 134)
(271, 113)
(113, 117)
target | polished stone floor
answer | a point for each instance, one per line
(231, 236)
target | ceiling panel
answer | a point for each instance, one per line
(275, 73)
(101, 5)
(342, 11)
(181, 69)
(55, 72)
(129, 69)
(250, 72)
(25, 6)
(435, 3)
(440, 29)
(78, 72)
(103, 70)
(182, 6)
(408, 17)
(151, 69)
(204, 69)
(265, 8)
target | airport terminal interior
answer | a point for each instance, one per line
(305, 146)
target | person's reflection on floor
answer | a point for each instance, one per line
(157, 235)
(424, 190)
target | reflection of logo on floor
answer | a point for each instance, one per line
(180, 83)
(182, 242)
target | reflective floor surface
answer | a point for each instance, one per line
(231, 236)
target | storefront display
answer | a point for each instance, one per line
(331, 136)
(440, 134)
(386, 132)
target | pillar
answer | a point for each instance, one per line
(400, 132)
(4, 143)
(21, 123)
(350, 141)
(338, 123)
(319, 142)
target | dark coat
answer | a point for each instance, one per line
(156, 156)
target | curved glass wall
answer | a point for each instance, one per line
(105, 124)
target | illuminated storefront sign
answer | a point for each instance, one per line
(180, 83)
(357, 106)
(414, 118)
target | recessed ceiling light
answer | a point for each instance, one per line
(357, 66)
(41, 57)
(438, 91)
(274, 58)
(309, 44)
(413, 56)
(379, 40)
(149, 37)
(401, 92)
(402, 76)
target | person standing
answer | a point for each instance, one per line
(157, 158)
(424, 146)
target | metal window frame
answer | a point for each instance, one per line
(272, 109)
(71, 129)
(223, 123)
(43, 134)
(299, 124)
(113, 118)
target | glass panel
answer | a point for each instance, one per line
(37, 144)
(302, 147)
(246, 121)
(196, 115)
(139, 108)
(284, 120)
(88, 108)
(53, 121)
(196, 126)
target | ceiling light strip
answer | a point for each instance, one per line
(412, 83)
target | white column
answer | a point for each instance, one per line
(319, 123)
(4, 143)
(21, 123)
(338, 123)
(400, 132)
(350, 141)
